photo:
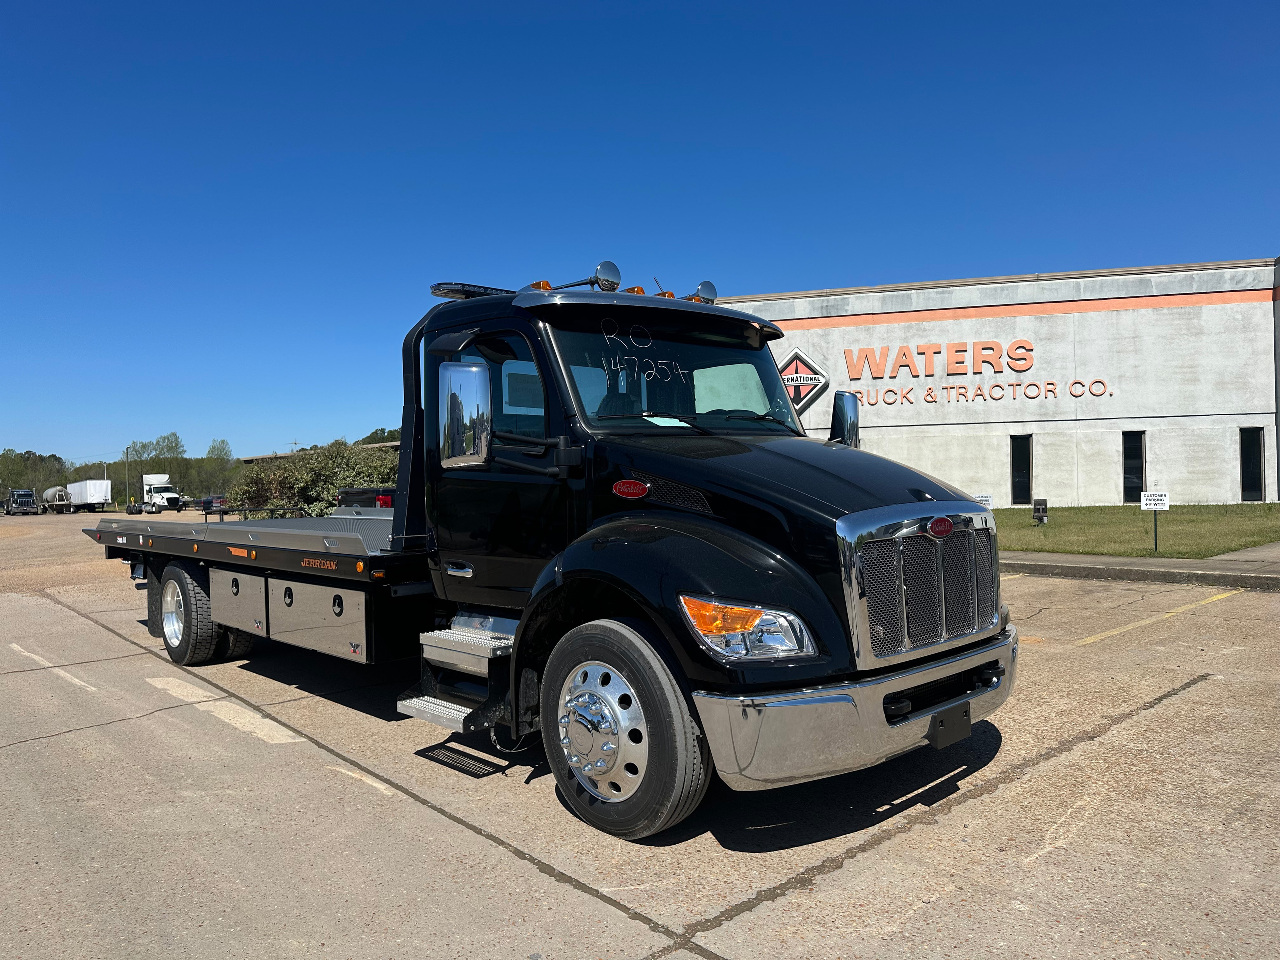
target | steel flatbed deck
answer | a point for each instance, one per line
(354, 546)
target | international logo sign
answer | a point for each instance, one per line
(804, 379)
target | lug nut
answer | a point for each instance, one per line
(608, 746)
(564, 721)
(564, 741)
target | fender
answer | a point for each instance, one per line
(652, 558)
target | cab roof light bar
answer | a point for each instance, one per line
(607, 278)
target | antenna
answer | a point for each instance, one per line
(660, 289)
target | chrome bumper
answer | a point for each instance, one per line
(771, 740)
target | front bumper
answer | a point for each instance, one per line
(774, 739)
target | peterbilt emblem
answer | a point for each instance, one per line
(940, 527)
(804, 379)
(355, 649)
(631, 489)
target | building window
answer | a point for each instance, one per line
(1135, 465)
(1020, 469)
(1251, 464)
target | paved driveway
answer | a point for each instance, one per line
(1122, 804)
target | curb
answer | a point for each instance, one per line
(1207, 578)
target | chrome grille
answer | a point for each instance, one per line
(920, 591)
(882, 577)
(984, 560)
(959, 600)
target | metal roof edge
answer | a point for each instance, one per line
(1270, 262)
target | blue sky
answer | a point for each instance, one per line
(220, 219)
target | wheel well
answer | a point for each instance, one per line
(577, 602)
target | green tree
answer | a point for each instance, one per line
(382, 435)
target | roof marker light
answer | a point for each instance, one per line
(638, 291)
(540, 285)
(666, 293)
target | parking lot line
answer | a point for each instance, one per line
(52, 669)
(1158, 617)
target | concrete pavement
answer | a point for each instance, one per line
(1255, 568)
(1120, 805)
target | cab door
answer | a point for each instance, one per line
(497, 526)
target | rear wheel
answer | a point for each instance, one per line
(624, 748)
(233, 644)
(187, 628)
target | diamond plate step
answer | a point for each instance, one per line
(440, 712)
(465, 649)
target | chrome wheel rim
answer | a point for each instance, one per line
(171, 608)
(603, 732)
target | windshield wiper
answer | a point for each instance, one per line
(688, 419)
(766, 416)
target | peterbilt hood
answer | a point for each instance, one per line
(829, 479)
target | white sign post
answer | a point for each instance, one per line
(1157, 501)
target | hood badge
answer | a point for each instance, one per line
(631, 489)
(805, 380)
(940, 527)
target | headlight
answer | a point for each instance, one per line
(739, 632)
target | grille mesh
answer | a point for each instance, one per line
(920, 591)
(957, 563)
(984, 556)
(673, 494)
(882, 580)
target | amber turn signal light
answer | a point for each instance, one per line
(714, 619)
(359, 566)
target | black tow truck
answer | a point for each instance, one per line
(610, 531)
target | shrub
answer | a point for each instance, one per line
(311, 479)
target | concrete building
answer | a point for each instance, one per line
(1079, 388)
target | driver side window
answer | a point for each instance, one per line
(518, 397)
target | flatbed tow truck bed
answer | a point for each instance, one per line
(326, 583)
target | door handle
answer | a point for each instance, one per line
(456, 568)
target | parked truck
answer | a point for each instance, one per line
(158, 495)
(609, 531)
(21, 502)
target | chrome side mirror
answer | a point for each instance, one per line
(844, 418)
(465, 416)
(607, 276)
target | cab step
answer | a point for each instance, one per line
(440, 712)
(464, 674)
(465, 648)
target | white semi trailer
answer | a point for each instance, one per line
(74, 497)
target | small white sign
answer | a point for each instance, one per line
(1155, 501)
(986, 499)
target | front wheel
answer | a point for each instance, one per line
(622, 743)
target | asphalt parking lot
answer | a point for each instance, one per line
(1123, 803)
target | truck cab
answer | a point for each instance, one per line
(21, 502)
(610, 532)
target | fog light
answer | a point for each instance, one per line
(732, 632)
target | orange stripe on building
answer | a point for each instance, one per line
(1035, 309)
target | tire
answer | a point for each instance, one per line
(659, 766)
(187, 628)
(233, 644)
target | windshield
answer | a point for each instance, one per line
(653, 374)
(164, 489)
